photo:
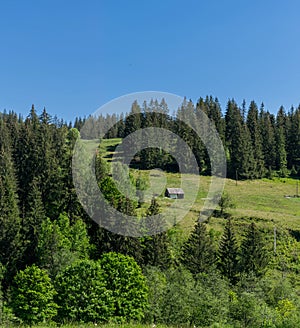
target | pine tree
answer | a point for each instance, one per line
(23, 164)
(51, 144)
(268, 139)
(70, 204)
(156, 250)
(10, 224)
(228, 254)
(188, 130)
(281, 155)
(238, 142)
(109, 241)
(294, 139)
(133, 121)
(124, 243)
(253, 255)
(242, 159)
(198, 254)
(232, 117)
(141, 186)
(101, 167)
(214, 113)
(253, 126)
(32, 222)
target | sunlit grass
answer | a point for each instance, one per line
(264, 199)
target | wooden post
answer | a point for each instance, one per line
(275, 240)
(236, 177)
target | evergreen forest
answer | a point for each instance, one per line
(58, 266)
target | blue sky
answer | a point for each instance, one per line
(74, 56)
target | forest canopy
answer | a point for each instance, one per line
(45, 232)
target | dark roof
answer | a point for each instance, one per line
(175, 191)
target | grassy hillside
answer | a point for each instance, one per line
(263, 199)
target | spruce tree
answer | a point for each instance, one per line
(294, 139)
(32, 222)
(124, 243)
(253, 126)
(228, 254)
(10, 224)
(133, 121)
(156, 250)
(23, 165)
(253, 254)
(281, 155)
(198, 254)
(268, 139)
(238, 142)
(214, 113)
(242, 160)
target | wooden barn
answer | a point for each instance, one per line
(175, 193)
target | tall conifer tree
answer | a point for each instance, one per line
(253, 254)
(10, 224)
(198, 254)
(155, 247)
(228, 254)
(253, 126)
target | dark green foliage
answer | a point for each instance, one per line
(179, 296)
(101, 168)
(109, 241)
(61, 243)
(198, 253)
(32, 296)
(256, 138)
(268, 139)
(281, 154)
(32, 222)
(228, 254)
(176, 298)
(83, 294)
(225, 203)
(36, 187)
(134, 120)
(10, 224)
(155, 245)
(141, 186)
(238, 140)
(253, 253)
(293, 138)
(211, 300)
(125, 280)
(154, 207)
(157, 285)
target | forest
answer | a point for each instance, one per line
(59, 266)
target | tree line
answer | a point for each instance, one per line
(257, 143)
(47, 238)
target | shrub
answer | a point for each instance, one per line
(125, 280)
(82, 293)
(32, 296)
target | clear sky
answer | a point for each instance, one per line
(74, 56)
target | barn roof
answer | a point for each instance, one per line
(176, 191)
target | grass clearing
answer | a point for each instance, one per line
(261, 199)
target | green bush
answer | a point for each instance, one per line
(124, 278)
(157, 287)
(179, 297)
(32, 296)
(82, 293)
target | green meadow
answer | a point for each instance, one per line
(269, 201)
